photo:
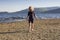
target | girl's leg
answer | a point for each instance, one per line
(32, 26)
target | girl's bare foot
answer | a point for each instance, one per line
(32, 29)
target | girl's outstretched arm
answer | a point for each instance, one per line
(27, 16)
(35, 16)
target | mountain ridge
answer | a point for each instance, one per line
(40, 10)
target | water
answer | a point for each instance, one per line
(48, 15)
(24, 15)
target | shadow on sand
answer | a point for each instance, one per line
(19, 31)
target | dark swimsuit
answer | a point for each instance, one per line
(31, 17)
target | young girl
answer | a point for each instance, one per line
(31, 16)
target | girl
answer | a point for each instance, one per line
(31, 16)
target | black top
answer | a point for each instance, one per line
(31, 15)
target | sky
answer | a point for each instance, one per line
(17, 5)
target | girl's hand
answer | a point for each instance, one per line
(36, 17)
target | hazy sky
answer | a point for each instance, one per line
(16, 5)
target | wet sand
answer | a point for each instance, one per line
(45, 29)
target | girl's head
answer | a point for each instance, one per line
(31, 8)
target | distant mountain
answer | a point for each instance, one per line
(3, 12)
(40, 10)
(46, 9)
(53, 11)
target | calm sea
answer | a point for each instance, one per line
(23, 15)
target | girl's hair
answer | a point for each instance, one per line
(31, 8)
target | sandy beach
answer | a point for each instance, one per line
(45, 29)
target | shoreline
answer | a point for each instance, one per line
(10, 21)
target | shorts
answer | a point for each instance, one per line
(30, 20)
